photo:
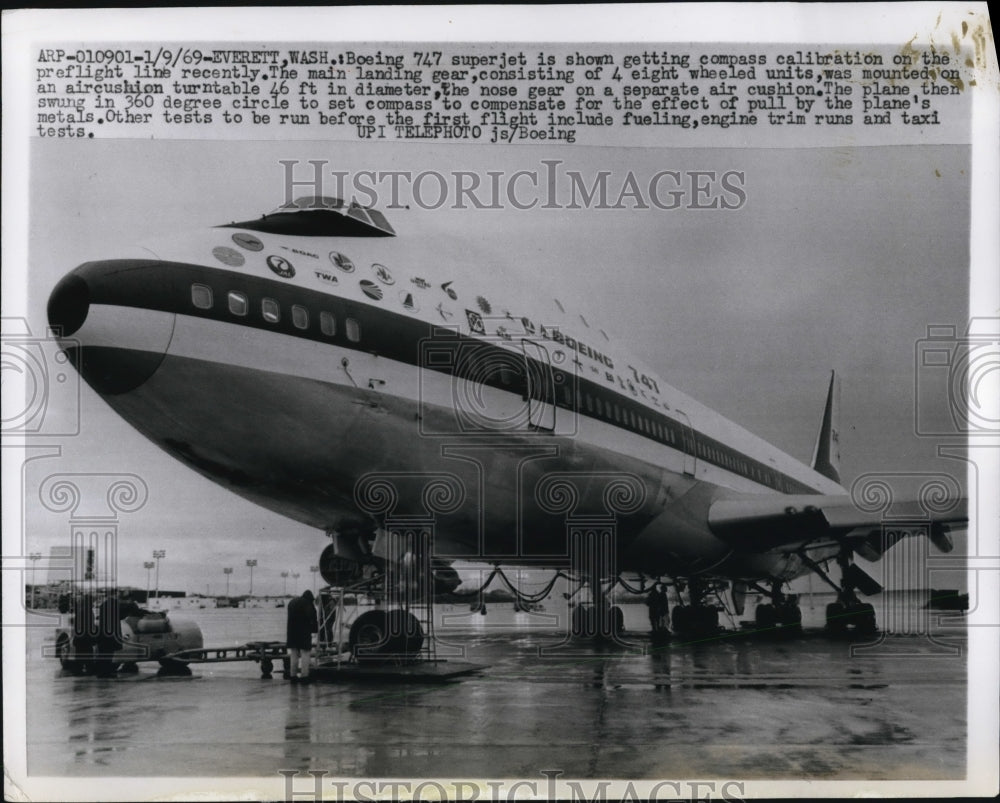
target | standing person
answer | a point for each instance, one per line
(301, 625)
(109, 639)
(84, 630)
(657, 602)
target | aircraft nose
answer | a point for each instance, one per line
(115, 345)
(69, 305)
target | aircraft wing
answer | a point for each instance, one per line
(787, 523)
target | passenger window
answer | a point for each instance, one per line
(353, 330)
(589, 402)
(327, 324)
(270, 310)
(238, 304)
(201, 296)
(300, 317)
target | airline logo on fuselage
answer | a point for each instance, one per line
(248, 241)
(476, 325)
(281, 266)
(326, 277)
(228, 256)
(382, 273)
(370, 289)
(342, 261)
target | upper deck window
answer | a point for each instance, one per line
(270, 310)
(321, 216)
(201, 296)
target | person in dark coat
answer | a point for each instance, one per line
(301, 625)
(109, 639)
(84, 629)
(658, 609)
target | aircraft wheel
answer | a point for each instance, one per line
(790, 617)
(129, 668)
(765, 617)
(836, 618)
(864, 619)
(708, 620)
(376, 635)
(680, 619)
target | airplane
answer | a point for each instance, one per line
(419, 400)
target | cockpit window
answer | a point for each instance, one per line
(320, 216)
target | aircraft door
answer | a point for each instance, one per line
(689, 444)
(540, 388)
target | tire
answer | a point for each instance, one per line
(377, 635)
(789, 617)
(864, 619)
(765, 617)
(836, 618)
(680, 620)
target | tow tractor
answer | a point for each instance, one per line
(151, 636)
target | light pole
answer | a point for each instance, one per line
(228, 570)
(284, 584)
(147, 565)
(295, 580)
(158, 553)
(251, 562)
(34, 556)
(314, 570)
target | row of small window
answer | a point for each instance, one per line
(612, 410)
(239, 304)
(737, 465)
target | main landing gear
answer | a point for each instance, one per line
(696, 619)
(781, 614)
(597, 619)
(848, 613)
(394, 631)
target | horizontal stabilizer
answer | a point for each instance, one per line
(758, 523)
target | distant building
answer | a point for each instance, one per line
(70, 564)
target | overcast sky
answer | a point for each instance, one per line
(840, 258)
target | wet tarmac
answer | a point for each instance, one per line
(809, 706)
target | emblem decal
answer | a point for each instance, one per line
(475, 322)
(342, 261)
(484, 305)
(371, 289)
(451, 293)
(228, 256)
(446, 314)
(281, 266)
(248, 241)
(382, 273)
(423, 284)
(407, 298)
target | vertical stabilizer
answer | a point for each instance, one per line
(826, 456)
